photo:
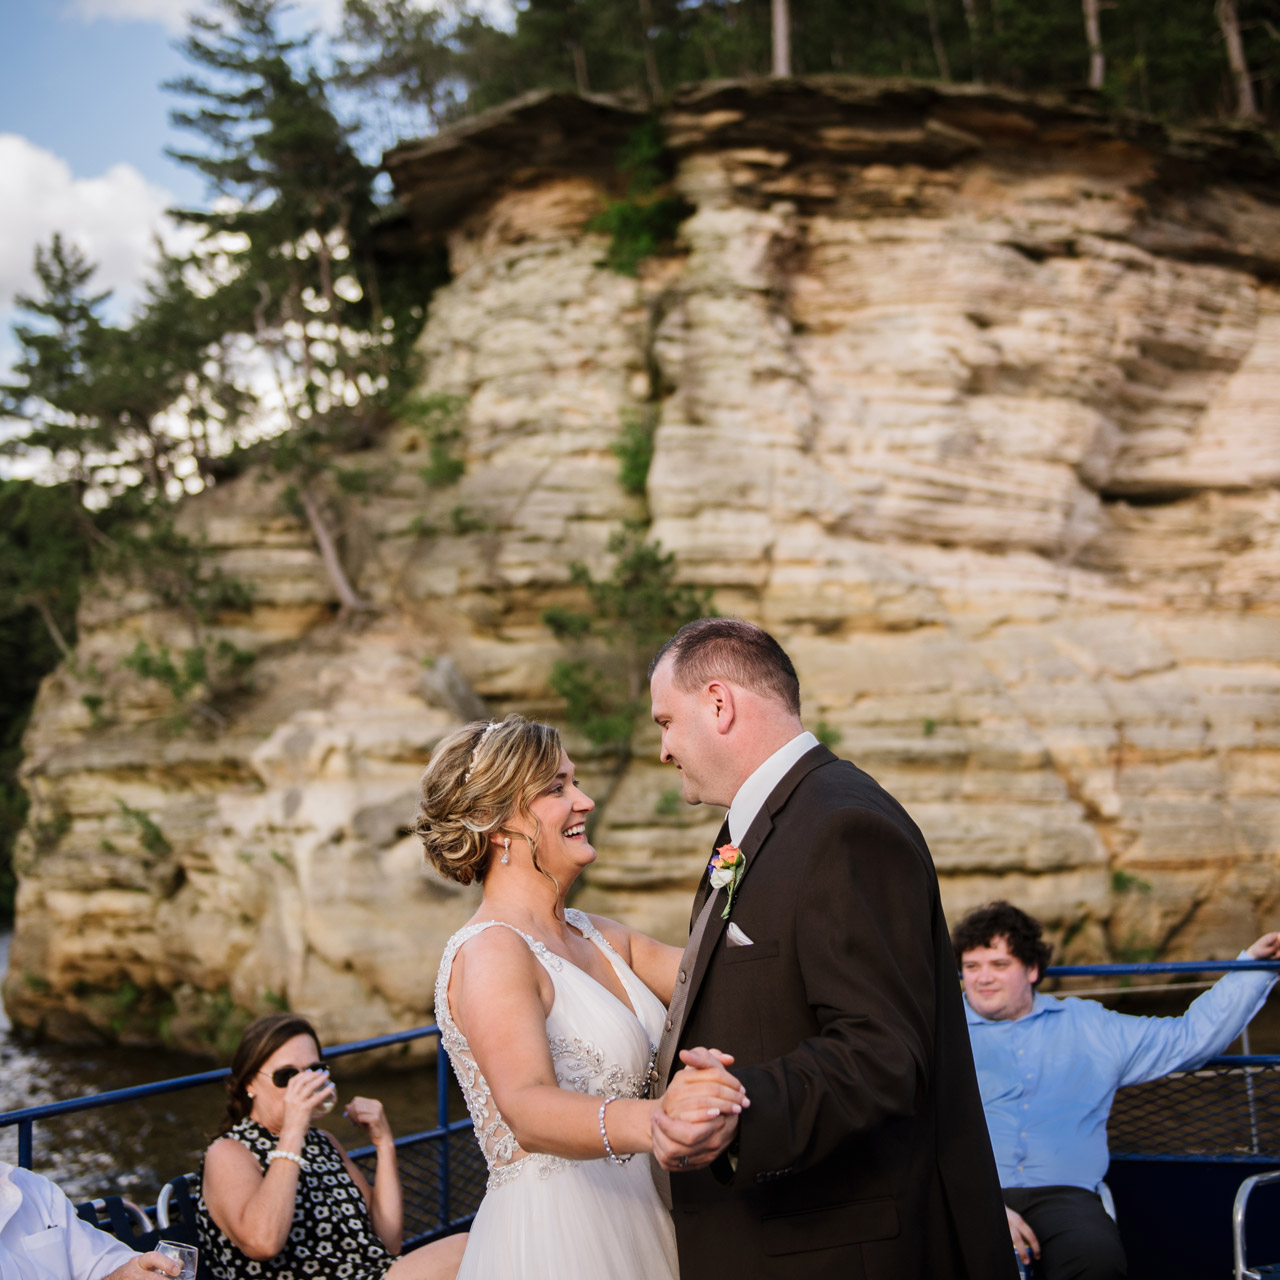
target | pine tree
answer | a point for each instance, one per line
(292, 232)
(125, 409)
(395, 51)
(56, 389)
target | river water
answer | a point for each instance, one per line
(134, 1148)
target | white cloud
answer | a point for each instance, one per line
(326, 14)
(171, 14)
(112, 219)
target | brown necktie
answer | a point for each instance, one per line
(674, 1025)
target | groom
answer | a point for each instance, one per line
(864, 1152)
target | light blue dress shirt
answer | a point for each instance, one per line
(1047, 1079)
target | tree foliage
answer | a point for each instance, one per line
(292, 232)
(1167, 57)
(43, 551)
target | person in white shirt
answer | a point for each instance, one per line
(41, 1238)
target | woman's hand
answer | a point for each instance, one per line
(704, 1087)
(367, 1114)
(306, 1092)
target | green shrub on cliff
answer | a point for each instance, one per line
(648, 216)
(633, 610)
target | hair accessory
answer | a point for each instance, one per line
(506, 849)
(608, 1146)
(278, 1154)
(475, 751)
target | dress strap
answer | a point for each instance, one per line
(582, 922)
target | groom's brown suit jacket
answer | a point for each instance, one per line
(864, 1152)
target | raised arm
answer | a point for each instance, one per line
(1152, 1047)
(384, 1199)
(252, 1209)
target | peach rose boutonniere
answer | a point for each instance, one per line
(725, 870)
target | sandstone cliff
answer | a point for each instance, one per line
(973, 399)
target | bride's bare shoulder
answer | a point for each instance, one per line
(498, 944)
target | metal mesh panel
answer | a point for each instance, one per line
(421, 1180)
(1216, 1113)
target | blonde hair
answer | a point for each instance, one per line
(480, 777)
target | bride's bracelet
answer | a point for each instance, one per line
(608, 1146)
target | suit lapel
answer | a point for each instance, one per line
(757, 833)
(704, 885)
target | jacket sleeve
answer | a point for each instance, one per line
(865, 944)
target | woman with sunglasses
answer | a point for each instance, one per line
(275, 1189)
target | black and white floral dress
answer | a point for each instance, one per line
(332, 1236)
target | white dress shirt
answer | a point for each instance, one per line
(42, 1239)
(756, 790)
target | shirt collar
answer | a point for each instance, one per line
(757, 788)
(1039, 1004)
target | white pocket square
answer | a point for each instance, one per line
(737, 938)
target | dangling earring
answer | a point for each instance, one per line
(506, 850)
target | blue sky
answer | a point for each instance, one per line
(88, 90)
(84, 125)
(83, 129)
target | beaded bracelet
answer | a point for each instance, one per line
(608, 1146)
(278, 1154)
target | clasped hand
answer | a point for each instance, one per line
(367, 1114)
(698, 1115)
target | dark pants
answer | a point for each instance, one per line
(1078, 1240)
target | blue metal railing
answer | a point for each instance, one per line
(1157, 966)
(26, 1119)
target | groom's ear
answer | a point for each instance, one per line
(720, 697)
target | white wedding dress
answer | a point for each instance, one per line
(545, 1217)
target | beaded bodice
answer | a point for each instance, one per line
(598, 1045)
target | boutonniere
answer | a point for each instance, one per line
(725, 870)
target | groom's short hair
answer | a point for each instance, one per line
(734, 650)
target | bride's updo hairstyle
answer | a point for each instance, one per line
(480, 777)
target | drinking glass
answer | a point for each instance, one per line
(330, 1100)
(186, 1254)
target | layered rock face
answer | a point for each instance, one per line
(973, 400)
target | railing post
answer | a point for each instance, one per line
(442, 1123)
(25, 1132)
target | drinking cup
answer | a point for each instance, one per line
(185, 1254)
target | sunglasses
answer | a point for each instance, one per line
(282, 1075)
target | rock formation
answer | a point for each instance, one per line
(974, 399)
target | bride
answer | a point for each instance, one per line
(551, 1019)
